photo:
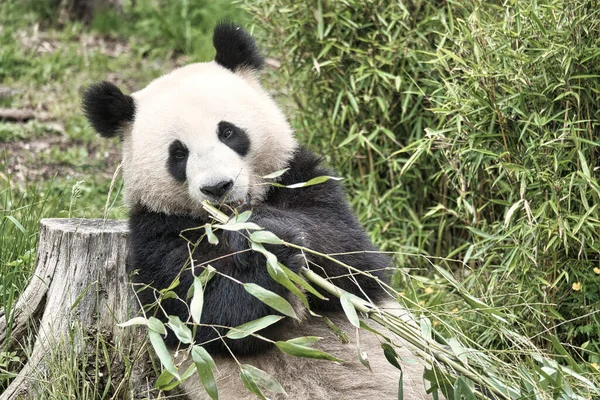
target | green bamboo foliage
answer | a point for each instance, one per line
(467, 130)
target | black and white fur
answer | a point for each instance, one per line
(209, 131)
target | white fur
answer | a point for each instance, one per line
(304, 378)
(188, 104)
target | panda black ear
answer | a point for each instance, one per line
(236, 48)
(107, 108)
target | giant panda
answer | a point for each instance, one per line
(210, 132)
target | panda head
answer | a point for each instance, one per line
(206, 131)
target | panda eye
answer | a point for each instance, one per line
(178, 151)
(227, 133)
(180, 154)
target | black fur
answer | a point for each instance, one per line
(235, 48)
(107, 108)
(177, 162)
(235, 138)
(317, 217)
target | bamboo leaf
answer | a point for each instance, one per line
(256, 325)
(583, 163)
(363, 357)
(349, 309)
(458, 349)
(205, 366)
(207, 274)
(271, 299)
(265, 237)
(164, 380)
(238, 226)
(462, 389)
(305, 340)
(241, 218)
(262, 379)
(390, 355)
(276, 174)
(277, 273)
(197, 300)
(183, 333)
(134, 321)
(305, 351)
(251, 385)
(299, 280)
(157, 326)
(163, 354)
(314, 181)
(511, 211)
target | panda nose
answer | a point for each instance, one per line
(217, 190)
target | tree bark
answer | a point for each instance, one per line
(80, 278)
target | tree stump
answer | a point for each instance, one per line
(80, 278)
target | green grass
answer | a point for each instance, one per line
(103, 370)
(57, 166)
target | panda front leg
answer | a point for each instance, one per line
(283, 225)
(160, 255)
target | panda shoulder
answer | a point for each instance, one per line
(304, 166)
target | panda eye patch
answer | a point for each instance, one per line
(176, 164)
(234, 137)
(178, 150)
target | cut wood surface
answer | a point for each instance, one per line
(80, 277)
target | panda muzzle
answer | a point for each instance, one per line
(217, 191)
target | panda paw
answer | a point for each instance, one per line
(239, 247)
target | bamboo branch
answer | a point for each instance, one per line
(426, 348)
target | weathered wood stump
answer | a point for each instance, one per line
(80, 278)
